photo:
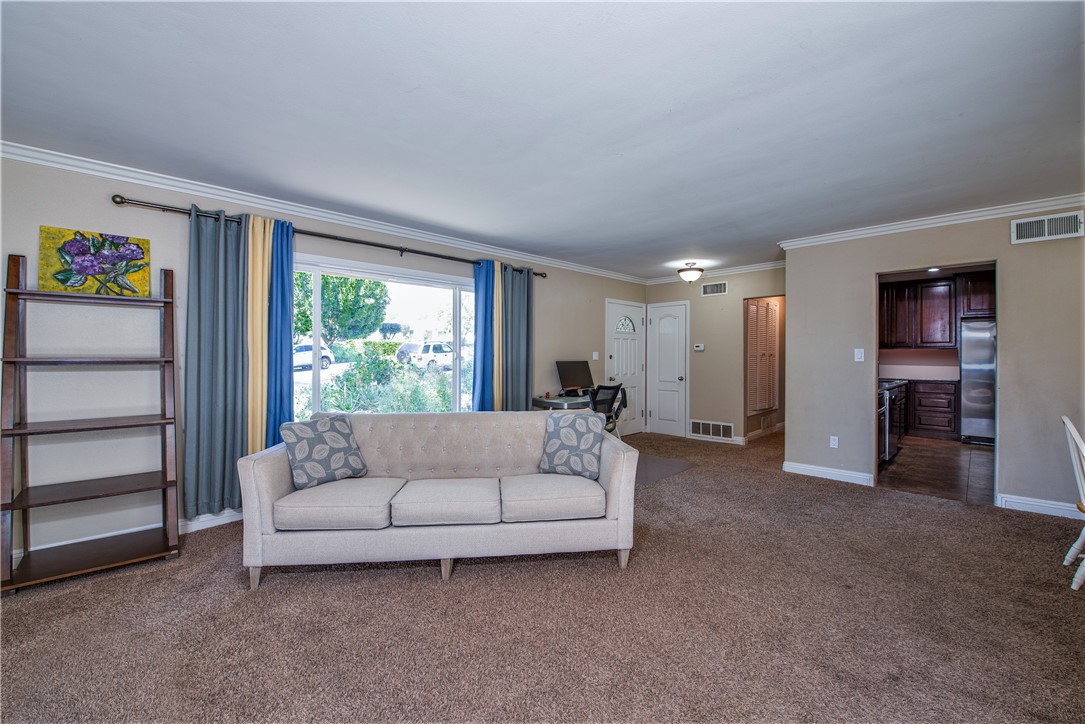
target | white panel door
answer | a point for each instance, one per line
(625, 360)
(668, 331)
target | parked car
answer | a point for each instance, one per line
(426, 355)
(303, 356)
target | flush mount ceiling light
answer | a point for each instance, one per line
(691, 273)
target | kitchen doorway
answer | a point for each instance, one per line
(936, 400)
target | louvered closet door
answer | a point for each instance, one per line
(762, 342)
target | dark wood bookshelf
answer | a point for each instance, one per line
(98, 554)
(18, 497)
(36, 496)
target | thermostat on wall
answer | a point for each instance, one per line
(698, 348)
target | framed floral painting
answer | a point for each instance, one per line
(87, 262)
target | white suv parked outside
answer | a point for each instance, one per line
(303, 356)
(426, 355)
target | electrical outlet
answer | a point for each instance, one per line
(859, 354)
(834, 441)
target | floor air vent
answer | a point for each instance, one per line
(714, 430)
(1046, 228)
(709, 290)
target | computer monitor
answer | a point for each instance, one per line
(574, 376)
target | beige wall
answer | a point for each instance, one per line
(832, 303)
(717, 375)
(569, 309)
(570, 321)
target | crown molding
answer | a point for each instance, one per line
(102, 169)
(725, 272)
(961, 217)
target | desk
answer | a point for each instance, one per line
(561, 403)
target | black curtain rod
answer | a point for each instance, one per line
(123, 201)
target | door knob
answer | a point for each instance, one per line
(681, 379)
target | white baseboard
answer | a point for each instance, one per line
(724, 440)
(1036, 505)
(844, 476)
(209, 520)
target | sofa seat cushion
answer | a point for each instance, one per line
(442, 501)
(348, 504)
(550, 497)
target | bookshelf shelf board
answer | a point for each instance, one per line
(53, 427)
(51, 564)
(37, 496)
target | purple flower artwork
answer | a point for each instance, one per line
(91, 263)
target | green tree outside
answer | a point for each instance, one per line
(350, 308)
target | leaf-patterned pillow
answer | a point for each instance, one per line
(322, 450)
(573, 443)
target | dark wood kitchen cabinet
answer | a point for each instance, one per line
(897, 312)
(976, 293)
(918, 314)
(935, 411)
(936, 314)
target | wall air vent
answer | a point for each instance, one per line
(724, 431)
(709, 290)
(1046, 228)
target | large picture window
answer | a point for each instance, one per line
(390, 341)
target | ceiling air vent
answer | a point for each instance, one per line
(1046, 228)
(709, 290)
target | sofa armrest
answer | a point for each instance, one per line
(265, 477)
(618, 476)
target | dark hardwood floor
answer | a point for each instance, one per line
(943, 468)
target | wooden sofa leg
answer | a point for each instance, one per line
(446, 568)
(254, 577)
(623, 558)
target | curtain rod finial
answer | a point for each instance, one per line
(119, 200)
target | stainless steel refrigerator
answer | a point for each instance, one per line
(978, 365)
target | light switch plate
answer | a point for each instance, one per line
(595, 355)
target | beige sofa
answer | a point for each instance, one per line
(475, 491)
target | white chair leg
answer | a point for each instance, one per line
(446, 568)
(1075, 550)
(623, 558)
(1079, 577)
(254, 577)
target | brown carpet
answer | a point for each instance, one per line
(652, 468)
(751, 595)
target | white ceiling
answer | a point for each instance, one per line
(625, 137)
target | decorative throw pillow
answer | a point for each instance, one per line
(322, 450)
(573, 443)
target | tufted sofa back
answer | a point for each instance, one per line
(450, 444)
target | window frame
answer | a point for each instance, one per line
(319, 265)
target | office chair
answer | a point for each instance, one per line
(609, 400)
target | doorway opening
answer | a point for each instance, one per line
(763, 339)
(936, 399)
